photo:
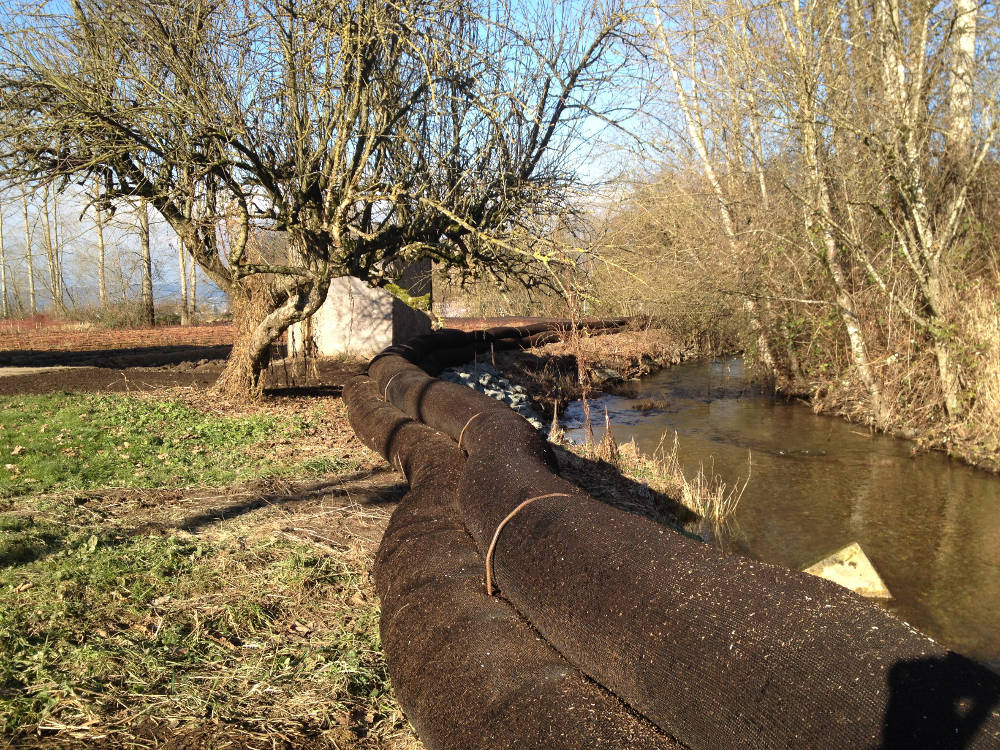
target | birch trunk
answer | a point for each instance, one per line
(959, 152)
(192, 288)
(183, 277)
(102, 284)
(148, 312)
(3, 270)
(962, 80)
(28, 237)
(52, 254)
(845, 306)
(123, 283)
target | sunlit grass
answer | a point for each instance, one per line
(239, 635)
(99, 628)
(85, 441)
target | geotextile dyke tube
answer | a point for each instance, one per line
(468, 670)
(716, 650)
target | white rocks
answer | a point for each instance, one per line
(485, 379)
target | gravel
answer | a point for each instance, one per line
(485, 379)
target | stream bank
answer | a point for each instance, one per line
(551, 375)
(613, 363)
(930, 524)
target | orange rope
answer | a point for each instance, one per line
(496, 535)
(462, 433)
(385, 391)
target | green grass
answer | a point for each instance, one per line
(240, 635)
(82, 441)
(266, 637)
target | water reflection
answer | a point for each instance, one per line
(930, 525)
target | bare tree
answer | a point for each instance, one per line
(371, 134)
(688, 106)
(873, 121)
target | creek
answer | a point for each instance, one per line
(930, 524)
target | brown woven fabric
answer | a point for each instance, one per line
(718, 651)
(467, 669)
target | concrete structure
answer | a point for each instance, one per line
(360, 320)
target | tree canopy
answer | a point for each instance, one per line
(370, 133)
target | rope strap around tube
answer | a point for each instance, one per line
(496, 535)
(385, 391)
(462, 433)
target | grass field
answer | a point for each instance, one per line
(66, 442)
(180, 572)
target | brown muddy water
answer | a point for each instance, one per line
(930, 525)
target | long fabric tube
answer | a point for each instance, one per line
(717, 651)
(469, 671)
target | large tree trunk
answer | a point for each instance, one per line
(148, 311)
(261, 313)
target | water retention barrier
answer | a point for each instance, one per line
(606, 629)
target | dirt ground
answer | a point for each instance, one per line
(45, 356)
(284, 379)
(41, 356)
(170, 357)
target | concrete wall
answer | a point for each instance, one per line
(358, 319)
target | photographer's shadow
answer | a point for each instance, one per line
(940, 702)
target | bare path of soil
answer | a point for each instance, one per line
(46, 357)
(49, 357)
(91, 379)
(145, 356)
